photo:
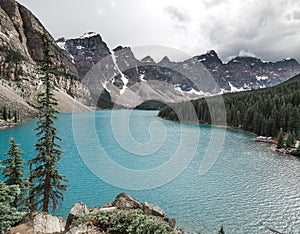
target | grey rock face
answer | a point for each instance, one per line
(20, 54)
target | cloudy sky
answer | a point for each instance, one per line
(269, 29)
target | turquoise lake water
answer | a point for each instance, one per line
(204, 176)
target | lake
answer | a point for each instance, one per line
(203, 176)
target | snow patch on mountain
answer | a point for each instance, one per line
(142, 76)
(88, 35)
(235, 89)
(192, 91)
(199, 93)
(123, 77)
(62, 45)
(262, 77)
(104, 84)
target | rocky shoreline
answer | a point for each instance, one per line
(5, 125)
(82, 220)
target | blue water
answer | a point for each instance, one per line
(247, 189)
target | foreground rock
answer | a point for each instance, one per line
(40, 223)
(82, 220)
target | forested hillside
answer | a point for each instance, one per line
(263, 111)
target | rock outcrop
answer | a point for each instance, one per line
(77, 210)
(47, 223)
(126, 202)
(43, 223)
(40, 223)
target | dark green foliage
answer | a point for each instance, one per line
(290, 140)
(4, 113)
(7, 114)
(14, 171)
(47, 184)
(151, 105)
(262, 111)
(280, 140)
(9, 215)
(120, 221)
(15, 117)
(296, 152)
(104, 100)
(31, 200)
(221, 231)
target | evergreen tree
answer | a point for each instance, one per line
(15, 117)
(221, 231)
(262, 111)
(9, 215)
(280, 140)
(47, 184)
(290, 140)
(14, 171)
(9, 114)
(4, 113)
(31, 202)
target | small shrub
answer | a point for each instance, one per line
(133, 221)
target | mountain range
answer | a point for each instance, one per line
(126, 78)
(89, 71)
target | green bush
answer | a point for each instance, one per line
(8, 215)
(133, 221)
(296, 152)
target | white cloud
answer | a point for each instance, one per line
(244, 53)
(100, 11)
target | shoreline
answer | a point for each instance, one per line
(214, 125)
(7, 125)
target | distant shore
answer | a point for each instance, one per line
(7, 124)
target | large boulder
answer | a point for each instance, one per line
(158, 213)
(46, 223)
(125, 202)
(150, 209)
(77, 210)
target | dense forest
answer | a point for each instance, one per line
(263, 111)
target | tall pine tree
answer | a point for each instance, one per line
(13, 171)
(47, 184)
(280, 140)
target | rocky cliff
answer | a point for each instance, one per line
(20, 54)
(130, 81)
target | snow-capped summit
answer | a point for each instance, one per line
(88, 35)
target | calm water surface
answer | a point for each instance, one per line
(248, 190)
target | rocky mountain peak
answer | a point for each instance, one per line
(165, 62)
(212, 53)
(85, 51)
(121, 70)
(148, 59)
(89, 35)
(210, 59)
